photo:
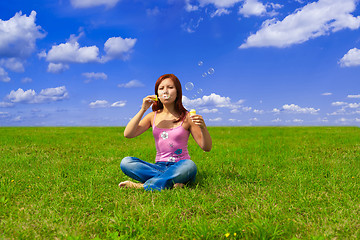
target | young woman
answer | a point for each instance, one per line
(172, 125)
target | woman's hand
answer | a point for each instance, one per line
(198, 120)
(148, 101)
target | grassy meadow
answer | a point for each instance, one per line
(256, 183)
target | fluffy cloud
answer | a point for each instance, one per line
(18, 35)
(209, 110)
(351, 58)
(57, 67)
(93, 3)
(92, 75)
(313, 20)
(252, 7)
(13, 64)
(4, 75)
(71, 52)
(131, 84)
(292, 108)
(118, 48)
(99, 104)
(338, 103)
(119, 104)
(106, 104)
(354, 96)
(211, 100)
(219, 3)
(45, 95)
(326, 94)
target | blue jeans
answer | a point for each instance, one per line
(160, 175)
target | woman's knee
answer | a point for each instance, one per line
(125, 162)
(189, 165)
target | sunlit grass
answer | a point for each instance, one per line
(256, 183)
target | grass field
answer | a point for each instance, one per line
(256, 183)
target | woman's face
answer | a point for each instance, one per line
(167, 91)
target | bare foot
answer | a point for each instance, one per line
(179, 185)
(129, 184)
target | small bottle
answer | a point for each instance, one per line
(155, 98)
(192, 112)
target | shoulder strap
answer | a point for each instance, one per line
(154, 119)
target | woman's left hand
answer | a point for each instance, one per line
(198, 120)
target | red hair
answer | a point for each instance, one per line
(179, 108)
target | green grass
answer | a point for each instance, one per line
(257, 183)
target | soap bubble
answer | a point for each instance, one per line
(211, 71)
(199, 91)
(200, 63)
(189, 86)
(204, 74)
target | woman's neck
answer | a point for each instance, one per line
(169, 109)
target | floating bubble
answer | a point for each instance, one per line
(199, 91)
(204, 74)
(211, 71)
(200, 63)
(189, 86)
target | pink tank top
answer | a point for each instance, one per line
(171, 144)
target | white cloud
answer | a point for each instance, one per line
(13, 64)
(209, 110)
(219, 119)
(311, 21)
(219, 12)
(92, 75)
(26, 80)
(131, 84)
(351, 58)
(354, 105)
(276, 110)
(292, 108)
(257, 111)
(57, 67)
(219, 3)
(338, 104)
(4, 77)
(276, 120)
(192, 25)
(106, 104)
(118, 48)
(326, 94)
(30, 96)
(18, 36)
(189, 7)
(93, 3)
(71, 52)
(211, 100)
(119, 104)
(99, 104)
(298, 120)
(252, 7)
(246, 109)
(354, 96)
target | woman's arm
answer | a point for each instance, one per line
(136, 126)
(200, 132)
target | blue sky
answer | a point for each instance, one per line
(251, 62)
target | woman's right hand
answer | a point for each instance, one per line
(148, 101)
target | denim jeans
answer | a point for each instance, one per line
(160, 175)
